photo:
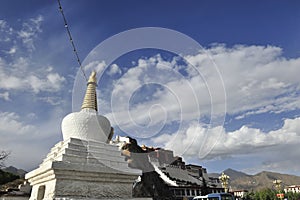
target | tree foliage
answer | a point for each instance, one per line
(292, 196)
(6, 177)
(269, 194)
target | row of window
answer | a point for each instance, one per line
(297, 190)
(186, 192)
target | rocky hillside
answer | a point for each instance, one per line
(6, 177)
(11, 177)
(240, 180)
(15, 171)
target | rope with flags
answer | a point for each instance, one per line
(71, 39)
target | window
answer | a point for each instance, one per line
(183, 192)
(188, 192)
(226, 197)
(193, 192)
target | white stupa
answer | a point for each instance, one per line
(87, 124)
(84, 165)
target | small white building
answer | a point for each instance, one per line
(240, 193)
(292, 188)
(25, 187)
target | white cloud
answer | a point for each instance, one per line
(162, 98)
(254, 76)
(18, 72)
(55, 79)
(29, 31)
(52, 100)
(26, 135)
(12, 50)
(257, 79)
(272, 147)
(97, 66)
(22, 39)
(20, 78)
(11, 124)
(10, 82)
(51, 83)
(5, 96)
(6, 31)
(114, 69)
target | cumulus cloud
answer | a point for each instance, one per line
(257, 79)
(51, 83)
(11, 124)
(215, 143)
(149, 95)
(114, 69)
(17, 76)
(98, 66)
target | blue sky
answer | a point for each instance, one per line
(246, 71)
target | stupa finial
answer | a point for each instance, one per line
(90, 98)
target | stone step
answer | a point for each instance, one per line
(94, 145)
(76, 146)
(99, 152)
(107, 157)
(73, 159)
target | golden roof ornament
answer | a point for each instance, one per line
(90, 98)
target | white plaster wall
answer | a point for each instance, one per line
(86, 126)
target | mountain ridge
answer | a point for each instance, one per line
(242, 181)
(15, 171)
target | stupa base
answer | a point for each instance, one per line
(78, 169)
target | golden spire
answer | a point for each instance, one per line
(90, 98)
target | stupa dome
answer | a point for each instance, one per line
(87, 124)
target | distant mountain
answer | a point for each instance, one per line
(235, 174)
(15, 171)
(240, 180)
(265, 180)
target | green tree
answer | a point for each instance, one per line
(292, 196)
(267, 194)
(257, 196)
(249, 196)
(264, 194)
(6, 177)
